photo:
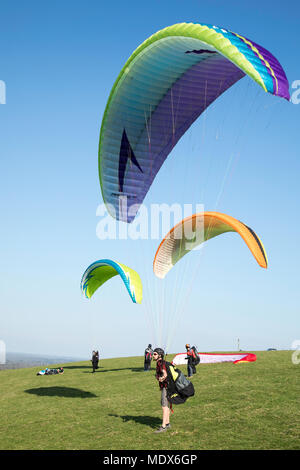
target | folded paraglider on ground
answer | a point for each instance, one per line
(47, 371)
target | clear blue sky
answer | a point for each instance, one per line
(59, 61)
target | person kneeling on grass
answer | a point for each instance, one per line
(161, 376)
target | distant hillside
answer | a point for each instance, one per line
(21, 360)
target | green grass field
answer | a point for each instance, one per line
(243, 406)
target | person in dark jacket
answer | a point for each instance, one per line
(191, 358)
(148, 357)
(95, 360)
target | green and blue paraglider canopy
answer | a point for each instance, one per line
(164, 86)
(101, 271)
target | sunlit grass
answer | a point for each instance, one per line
(243, 406)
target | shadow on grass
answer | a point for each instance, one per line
(137, 369)
(133, 369)
(67, 392)
(152, 422)
(81, 367)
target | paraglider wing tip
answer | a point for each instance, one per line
(159, 274)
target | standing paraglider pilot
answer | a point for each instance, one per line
(95, 360)
(148, 357)
(191, 359)
(161, 376)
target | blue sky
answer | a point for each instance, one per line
(59, 61)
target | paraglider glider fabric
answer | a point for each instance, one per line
(164, 86)
(103, 270)
(196, 229)
(206, 358)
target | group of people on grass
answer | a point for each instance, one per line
(163, 376)
(191, 359)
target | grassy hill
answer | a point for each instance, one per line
(243, 406)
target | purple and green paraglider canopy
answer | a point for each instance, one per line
(168, 81)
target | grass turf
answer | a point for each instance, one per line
(243, 406)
